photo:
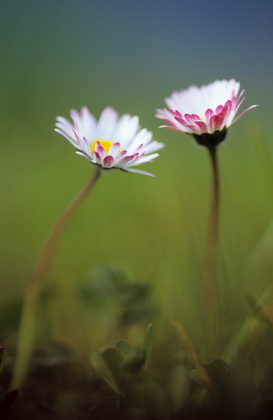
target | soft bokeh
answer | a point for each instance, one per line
(58, 55)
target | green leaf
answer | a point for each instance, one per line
(154, 400)
(178, 383)
(216, 370)
(231, 353)
(135, 364)
(3, 357)
(194, 374)
(148, 342)
(109, 364)
(133, 360)
(125, 349)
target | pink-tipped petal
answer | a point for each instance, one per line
(201, 125)
(227, 108)
(240, 96)
(192, 108)
(166, 120)
(195, 117)
(100, 150)
(71, 140)
(170, 128)
(137, 171)
(191, 127)
(98, 158)
(175, 113)
(188, 118)
(79, 141)
(139, 147)
(239, 104)
(114, 149)
(128, 159)
(108, 161)
(208, 114)
(110, 142)
(244, 112)
(216, 122)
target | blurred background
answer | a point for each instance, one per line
(62, 54)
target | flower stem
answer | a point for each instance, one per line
(212, 284)
(190, 350)
(27, 327)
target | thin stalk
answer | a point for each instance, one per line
(189, 348)
(212, 284)
(27, 327)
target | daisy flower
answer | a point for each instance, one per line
(206, 112)
(111, 141)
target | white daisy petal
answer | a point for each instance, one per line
(142, 137)
(126, 130)
(209, 109)
(72, 141)
(137, 171)
(152, 147)
(144, 159)
(110, 142)
(89, 123)
(106, 123)
(114, 149)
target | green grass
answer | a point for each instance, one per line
(153, 229)
(133, 254)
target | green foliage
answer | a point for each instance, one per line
(125, 371)
(111, 292)
(109, 364)
(178, 385)
(140, 384)
(122, 365)
(148, 342)
(3, 357)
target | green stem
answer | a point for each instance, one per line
(27, 328)
(212, 284)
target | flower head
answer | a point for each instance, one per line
(206, 112)
(110, 142)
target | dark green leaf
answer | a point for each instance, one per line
(178, 386)
(108, 364)
(135, 364)
(3, 357)
(148, 342)
(125, 349)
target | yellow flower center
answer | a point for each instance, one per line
(106, 144)
(202, 117)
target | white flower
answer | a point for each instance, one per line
(208, 110)
(110, 142)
